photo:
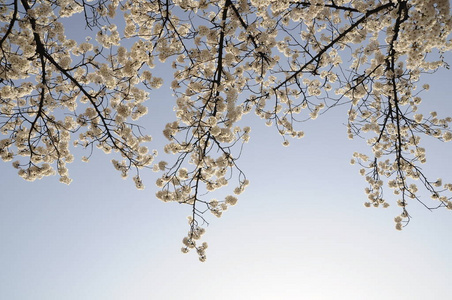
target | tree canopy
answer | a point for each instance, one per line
(285, 61)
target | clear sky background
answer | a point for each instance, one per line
(300, 231)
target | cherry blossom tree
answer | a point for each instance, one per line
(285, 61)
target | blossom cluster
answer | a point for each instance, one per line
(53, 87)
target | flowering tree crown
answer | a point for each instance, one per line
(286, 61)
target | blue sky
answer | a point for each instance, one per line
(300, 230)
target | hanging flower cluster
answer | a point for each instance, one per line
(286, 61)
(53, 87)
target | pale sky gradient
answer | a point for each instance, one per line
(300, 231)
